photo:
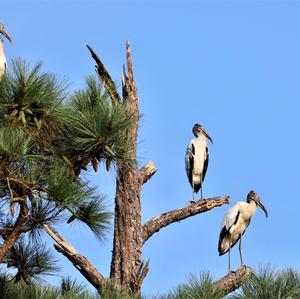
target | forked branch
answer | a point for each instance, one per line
(200, 206)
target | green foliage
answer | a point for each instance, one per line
(33, 291)
(94, 214)
(31, 260)
(36, 139)
(14, 144)
(45, 142)
(32, 99)
(108, 292)
(10, 290)
(70, 288)
(196, 288)
(42, 212)
(270, 284)
(97, 128)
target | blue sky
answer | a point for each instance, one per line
(233, 66)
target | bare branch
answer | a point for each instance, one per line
(130, 67)
(80, 262)
(130, 85)
(105, 78)
(12, 210)
(147, 172)
(11, 238)
(197, 207)
(233, 280)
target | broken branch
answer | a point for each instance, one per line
(80, 262)
(147, 172)
(105, 78)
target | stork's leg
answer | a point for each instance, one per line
(229, 270)
(240, 250)
(201, 187)
(193, 192)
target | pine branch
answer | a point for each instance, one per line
(197, 207)
(233, 280)
(105, 78)
(80, 262)
(12, 237)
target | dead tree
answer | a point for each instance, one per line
(128, 269)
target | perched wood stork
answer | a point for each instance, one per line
(2, 56)
(196, 158)
(236, 222)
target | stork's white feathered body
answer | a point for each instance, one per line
(196, 158)
(197, 149)
(2, 60)
(236, 222)
(2, 55)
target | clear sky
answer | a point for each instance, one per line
(233, 67)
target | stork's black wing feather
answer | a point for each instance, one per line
(224, 233)
(205, 165)
(191, 165)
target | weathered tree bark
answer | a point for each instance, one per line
(11, 237)
(80, 262)
(127, 245)
(233, 280)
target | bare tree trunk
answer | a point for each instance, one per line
(127, 268)
(128, 242)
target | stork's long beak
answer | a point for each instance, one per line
(260, 204)
(207, 136)
(5, 33)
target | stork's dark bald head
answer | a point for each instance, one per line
(4, 32)
(252, 195)
(198, 129)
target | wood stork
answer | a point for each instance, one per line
(196, 158)
(236, 222)
(2, 56)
